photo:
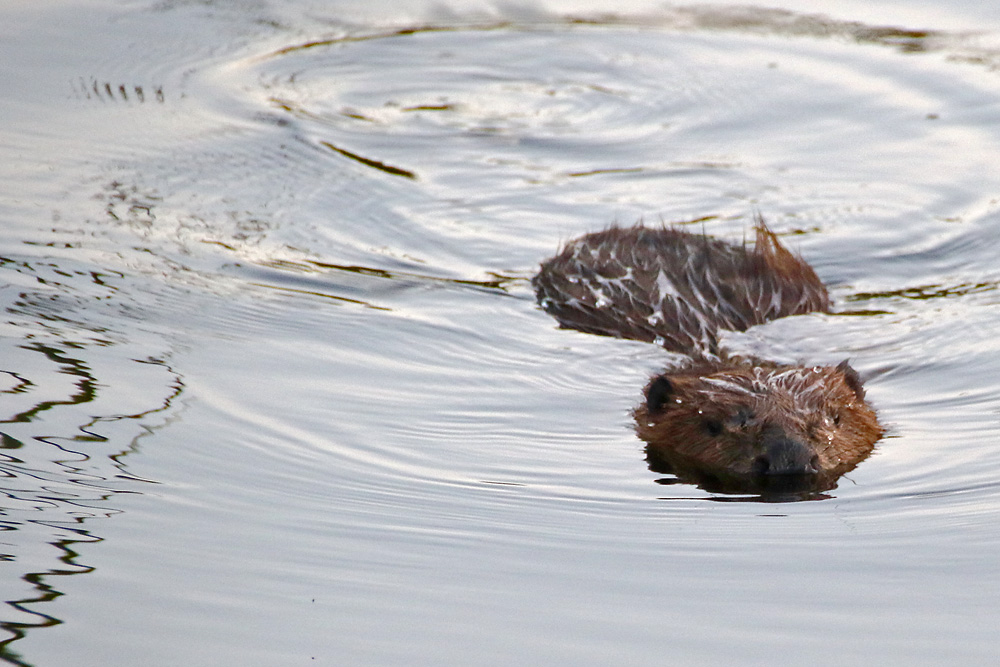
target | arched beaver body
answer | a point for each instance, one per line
(727, 422)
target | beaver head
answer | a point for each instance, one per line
(749, 425)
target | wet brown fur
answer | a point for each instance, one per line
(728, 422)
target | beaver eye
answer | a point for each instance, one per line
(836, 419)
(713, 427)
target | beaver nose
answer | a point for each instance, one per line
(785, 456)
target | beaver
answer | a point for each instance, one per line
(724, 421)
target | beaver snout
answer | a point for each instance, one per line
(785, 456)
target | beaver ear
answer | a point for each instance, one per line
(658, 393)
(852, 378)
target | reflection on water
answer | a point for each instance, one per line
(73, 413)
(105, 91)
(318, 236)
(44, 591)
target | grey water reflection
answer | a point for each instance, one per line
(277, 261)
(64, 441)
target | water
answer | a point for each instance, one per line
(275, 389)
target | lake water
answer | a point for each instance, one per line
(275, 389)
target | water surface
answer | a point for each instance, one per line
(275, 388)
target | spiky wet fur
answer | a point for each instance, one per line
(714, 417)
(675, 288)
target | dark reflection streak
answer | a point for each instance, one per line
(285, 105)
(428, 107)
(90, 435)
(676, 167)
(357, 116)
(98, 278)
(23, 384)
(498, 286)
(391, 33)
(333, 297)
(867, 312)
(368, 162)
(177, 388)
(91, 505)
(297, 110)
(14, 468)
(46, 593)
(770, 499)
(786, 22)
(221, 244)
(925, 292)
(83, 87)
(971, 490)
(110, 92)
(723, 19)
(609, 170)
(70, 366)
(499, 283)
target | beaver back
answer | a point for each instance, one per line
(675, 288)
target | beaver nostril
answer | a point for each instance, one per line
(761, 465)
(786, 456)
